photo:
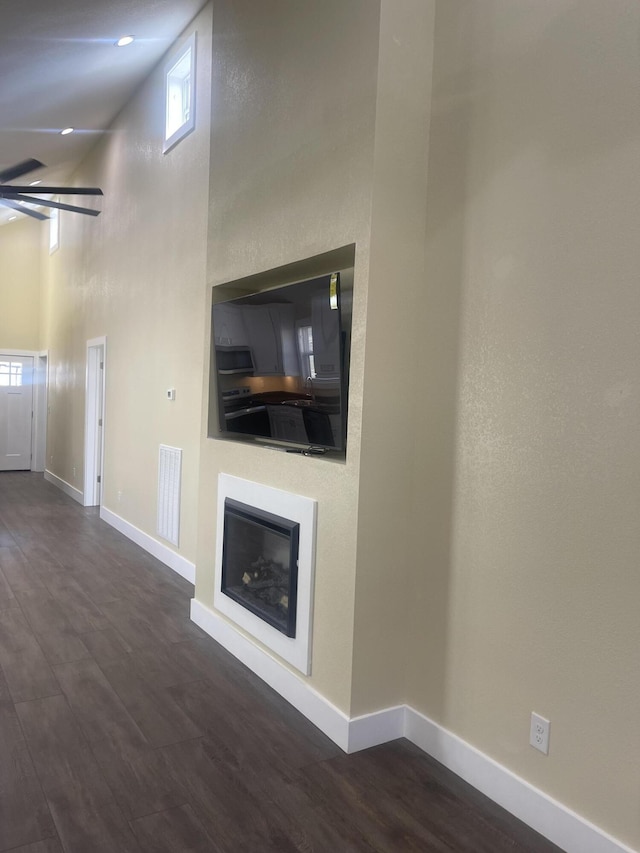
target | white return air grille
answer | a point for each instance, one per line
(169, 472)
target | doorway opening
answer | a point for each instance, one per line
(94, 421)
(16, 411)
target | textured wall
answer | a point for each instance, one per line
(293, 111)
(390, 437)
(526, 498)
(136, 274)
(20, 264)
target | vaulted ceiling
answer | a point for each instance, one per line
(60, 67)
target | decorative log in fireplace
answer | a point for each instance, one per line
(260, 563)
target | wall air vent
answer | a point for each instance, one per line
(169, 477)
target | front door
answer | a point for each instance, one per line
(16, 411)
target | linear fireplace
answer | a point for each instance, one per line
(260, 563)
(265, 560)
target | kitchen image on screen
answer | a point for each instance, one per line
(280, 364)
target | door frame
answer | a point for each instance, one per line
(93, 432)
(38, 403)
(40, 411)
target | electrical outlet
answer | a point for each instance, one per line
(119, 497)
(539, 733)
(74, 472)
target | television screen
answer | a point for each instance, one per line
(280, 365)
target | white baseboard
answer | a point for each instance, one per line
(550, 818)
(185, 568)
(329, 719)
(65, 487)
(379, 727)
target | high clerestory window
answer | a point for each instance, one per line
(180, 75)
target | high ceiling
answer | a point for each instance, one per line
(59, 67)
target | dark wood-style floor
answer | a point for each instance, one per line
(123, 728)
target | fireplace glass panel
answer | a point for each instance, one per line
(260, 564)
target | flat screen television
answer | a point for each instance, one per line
(280, 364)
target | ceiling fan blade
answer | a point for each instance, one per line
(13, 189)
(57, 204)
(19, 169)
(7, 202)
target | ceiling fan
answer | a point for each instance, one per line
(13, 195)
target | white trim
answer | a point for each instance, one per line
(65, 487)
(550, 818)
(177, 562)
(547, 816)
(23, 352)
(329, 719)
(40, 411)
(379, 727)
(96, 354)
(295, 650)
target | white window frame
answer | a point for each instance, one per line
(54, 228)
(171, 76)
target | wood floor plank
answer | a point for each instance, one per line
(97, 706)
(6, 539)
(49, 845)
(26, 670)
(6, 593)
(314, 825)
(41, 610)
(106, 646)
(24, 813)
(138, 629)
(62, 646)
(230, 733)
(52, 733)
(243, 821)
(173, 831)
(5, 695)
(18, 571)
(86, 816)
(141, 782)
(280, 741)
(158, 717)
(82, 613)
(168, 664)
(359, 809)
(39, 554)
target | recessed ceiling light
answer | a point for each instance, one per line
(35, 183)
(11, 218)
(125, 40)
(66, 131)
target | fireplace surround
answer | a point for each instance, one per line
(265, 563)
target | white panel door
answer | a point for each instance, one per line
(16, 408)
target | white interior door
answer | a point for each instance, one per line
(16, 412)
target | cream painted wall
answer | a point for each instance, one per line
(526, 499)
(520, 478)
(293, 101)
(390, 441)
(20, 263)
(136, 274)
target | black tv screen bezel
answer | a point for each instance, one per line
(235, 293)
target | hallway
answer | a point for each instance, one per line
(124, 728)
